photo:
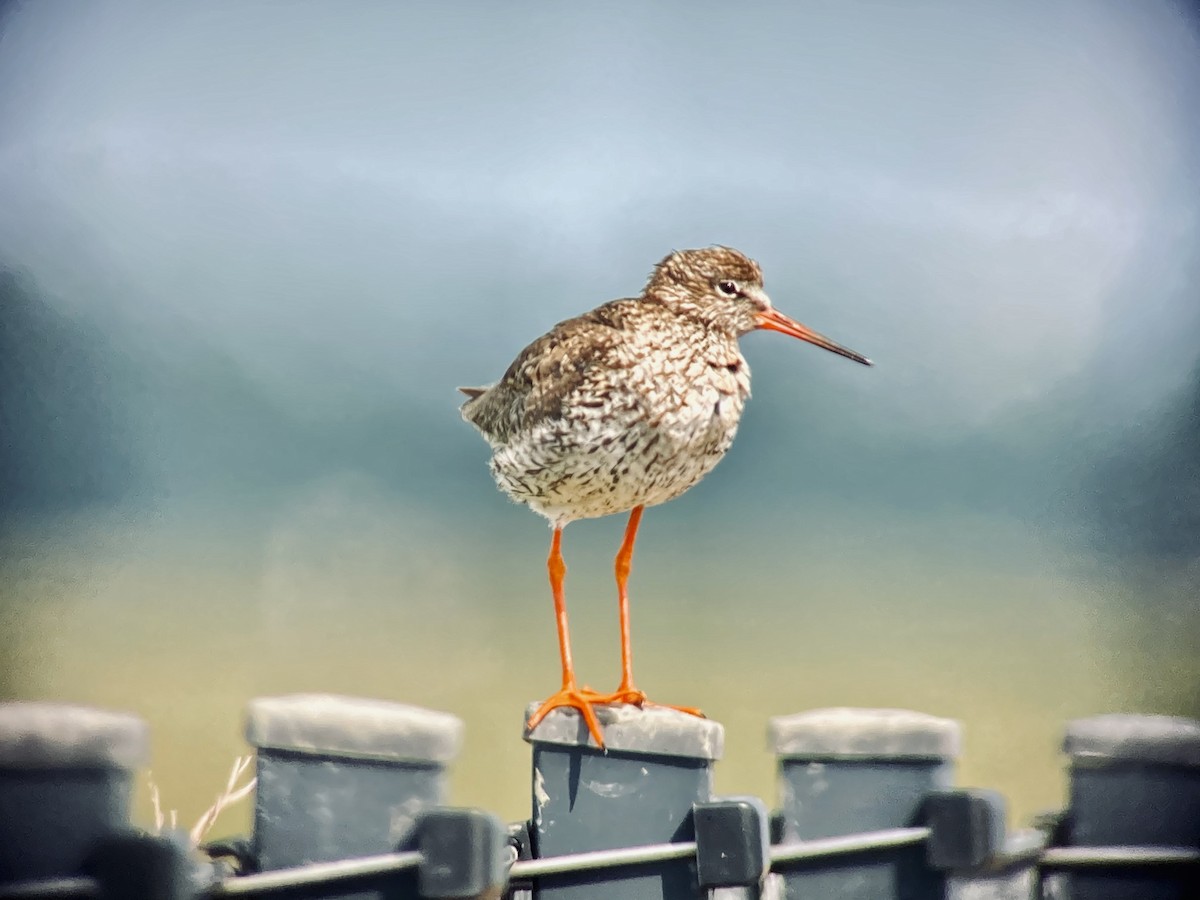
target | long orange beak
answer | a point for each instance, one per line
(773, 320)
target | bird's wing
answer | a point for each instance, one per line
(546, 372)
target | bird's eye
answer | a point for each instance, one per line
(728, 288)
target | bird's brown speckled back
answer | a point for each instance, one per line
(630, 404)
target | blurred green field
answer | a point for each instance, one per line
(182, 618)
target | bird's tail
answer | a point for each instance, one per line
(472, 407)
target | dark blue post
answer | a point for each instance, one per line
(1134, 782)
(846, 771)
(638, 791)
(340, 777)
(66, 775)
(136, 866)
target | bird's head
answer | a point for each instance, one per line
(724, 289)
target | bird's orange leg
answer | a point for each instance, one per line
(570, 694)
(627, 692)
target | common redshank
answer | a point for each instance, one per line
(625, 407)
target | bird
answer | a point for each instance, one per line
(623, 408)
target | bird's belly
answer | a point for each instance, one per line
(578, 469)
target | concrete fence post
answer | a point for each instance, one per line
(1134, 782)
(846, 771)
(638, 790)
(341, 777)
(66, 777)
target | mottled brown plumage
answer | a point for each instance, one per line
(628, 406)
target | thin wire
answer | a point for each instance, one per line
(602, 859)
(1080, 857)
(318, 874)
(820, 848)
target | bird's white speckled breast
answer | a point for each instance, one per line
(658, 430)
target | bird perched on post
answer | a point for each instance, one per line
(625, 407)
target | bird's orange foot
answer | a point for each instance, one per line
(688, 711)
(574, 697)
(631, 695)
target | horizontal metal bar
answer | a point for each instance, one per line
(318, 874)
(50, 887)
(626, 856)
(851, 843)
(330, 874)
(602, 859)
(1079, 857)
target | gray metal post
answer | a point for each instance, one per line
(136, 866)
(66, 775)
(639, 790)
(1134, 782)
(340, 777)
(844, 771)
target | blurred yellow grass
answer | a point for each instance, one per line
(182, 621)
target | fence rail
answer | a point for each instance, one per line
(349, 802)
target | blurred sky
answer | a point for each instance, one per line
(250, 249)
